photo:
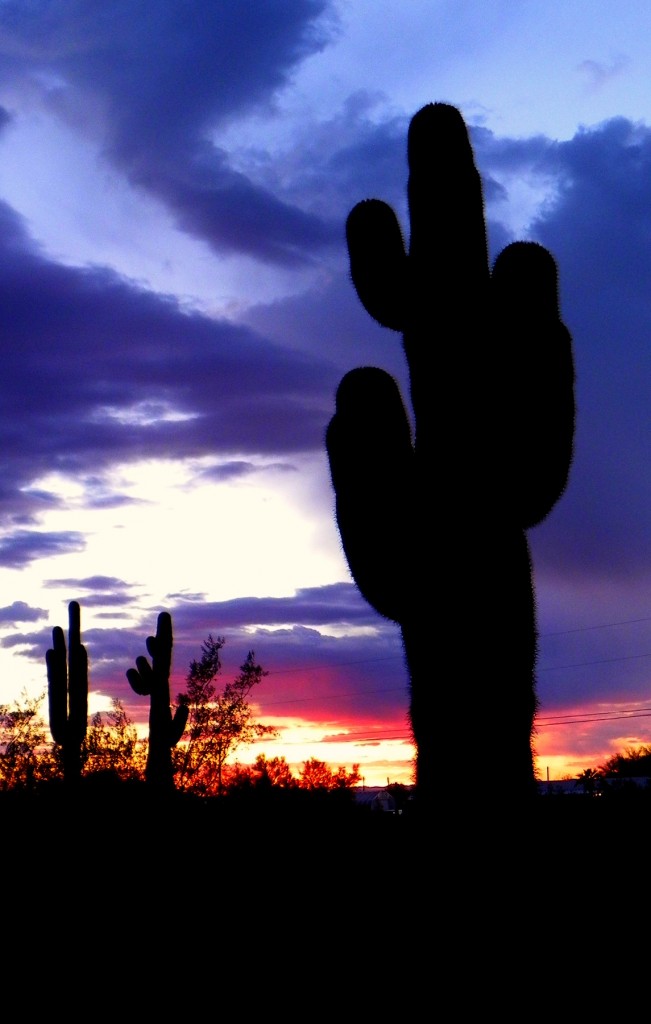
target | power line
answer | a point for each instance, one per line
(337, 664)
(588, 718)
(599, 714)
(592, 717)
(334, 696)
(604, 625)
(549, 668)
(359, 738)
(587, 664)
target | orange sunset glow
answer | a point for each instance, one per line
(567, 744)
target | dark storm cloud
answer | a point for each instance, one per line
(156, 80)
(236, 216)
(93, 368)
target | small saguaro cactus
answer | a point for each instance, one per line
(165, 729)
(67, 678)
(433, 526)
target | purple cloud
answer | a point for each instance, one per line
(94, 366)
(24, 546)
(311, 673)
(20, 611)
(157, 81)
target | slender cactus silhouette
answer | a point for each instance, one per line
(67, 678)
(434, 527)
(165, 729)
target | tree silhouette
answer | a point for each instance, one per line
(632, 762)
(24, 759)
(272, 771)
(219, 720)
(315, 774)
(111, 745)
(433, 526)
(589, 780)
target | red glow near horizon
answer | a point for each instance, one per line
(566, 744)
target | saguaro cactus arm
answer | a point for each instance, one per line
(537, 432)
(372, 466)
(56, 660)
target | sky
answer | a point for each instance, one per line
(176, 313)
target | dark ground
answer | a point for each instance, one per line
(320, 910)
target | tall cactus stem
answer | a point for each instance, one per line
(165, 728)
(433, 525)
(67, 676)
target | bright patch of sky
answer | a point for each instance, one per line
(173, 524)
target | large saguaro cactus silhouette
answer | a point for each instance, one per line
(67, 678)
(165, 729)
(433, 526)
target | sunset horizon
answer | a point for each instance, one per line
(178, 314)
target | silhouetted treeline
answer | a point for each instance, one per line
(111, 752)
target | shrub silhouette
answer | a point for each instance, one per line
(67, 678)
(434, 528)
(153, 680)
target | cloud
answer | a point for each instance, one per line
(96, 371)
(326, 649)
(338, 603)
(597, 74)
(237, 469)
(599, 230)
(329, 166)
(312, 671)
(592, 556)
(20, 611)
(24, 546)
(154, 84)
(91, 583)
